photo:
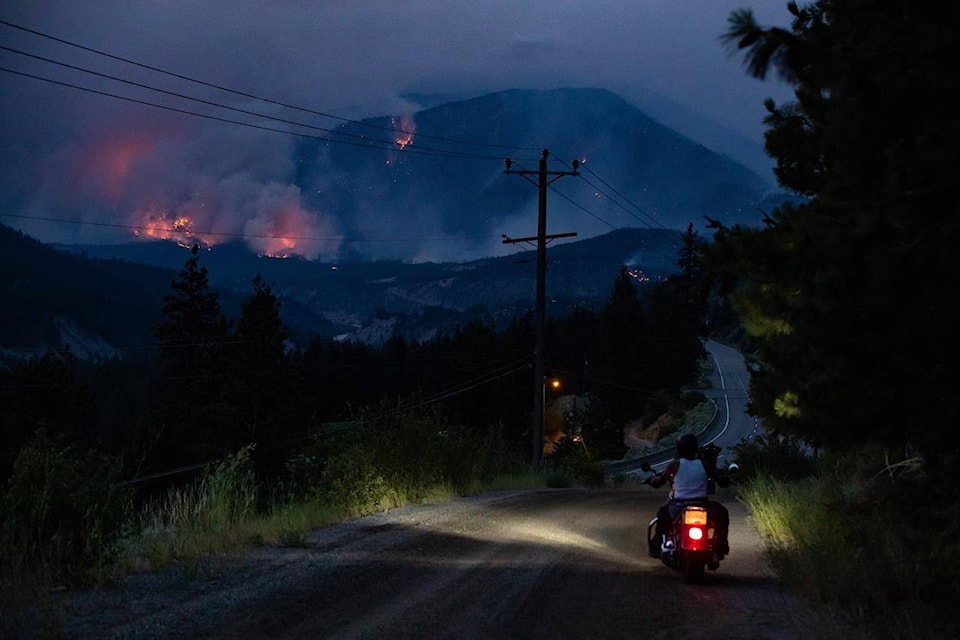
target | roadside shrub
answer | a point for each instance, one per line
(875, 539)
(61, 515)
(780, 457)
(590, 473)
(557, 479)
(489, 456)
(572, 463)
(351, 481)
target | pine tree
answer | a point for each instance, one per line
(192, 419)
(264, 389)
(620, 370)
(194, 328)
(847, 295)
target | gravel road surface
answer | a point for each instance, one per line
(558, 563)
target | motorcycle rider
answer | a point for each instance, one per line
(689, 473)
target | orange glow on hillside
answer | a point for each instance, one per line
(283, 228)
(109, 163)
(278, 247)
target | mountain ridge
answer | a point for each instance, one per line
(103, 299)
(662, 178)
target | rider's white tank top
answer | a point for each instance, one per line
(690, 481)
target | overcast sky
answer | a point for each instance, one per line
(59, 145)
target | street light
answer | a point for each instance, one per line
(553, 383)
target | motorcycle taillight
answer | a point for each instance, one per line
(696, 535)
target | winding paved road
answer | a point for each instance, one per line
(728, 385)
(729, 389)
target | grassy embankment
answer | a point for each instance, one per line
(67, 521)
(868, 544)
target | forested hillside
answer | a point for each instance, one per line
(371, 300)
(49, 297)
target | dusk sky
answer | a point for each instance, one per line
(69, 154)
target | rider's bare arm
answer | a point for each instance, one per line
(666, 475)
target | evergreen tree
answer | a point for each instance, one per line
(676, 312)
(692, 280)
(192, 335)
(266, 396)
(192, 419)
(42, 393)
(619, 368)
(846, 295)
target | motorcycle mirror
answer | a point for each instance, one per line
(645, 466)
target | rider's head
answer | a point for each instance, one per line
(687, 446)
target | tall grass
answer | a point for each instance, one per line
(861, 540)
(61, 518)
(412, 459)
(64, 525)
(205, 517)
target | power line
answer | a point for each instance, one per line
(602, 220)
(186, 97)
(218, 105)
(244, 236)
(583, 208)
(480, 381)
(256, 97)
(653, 222)
(456, 393)
(568, 199)
(652, 219)
(403, 148)
(463, 387)
(163, 474)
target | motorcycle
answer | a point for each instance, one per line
(691, 546)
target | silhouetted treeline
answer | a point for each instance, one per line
(215, 384)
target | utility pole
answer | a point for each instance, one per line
(538, 373)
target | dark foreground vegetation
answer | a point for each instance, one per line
(846, 304)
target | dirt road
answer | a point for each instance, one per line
(565, 563)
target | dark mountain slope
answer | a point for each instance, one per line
(53, 299)
(673, 180)
(370, 300)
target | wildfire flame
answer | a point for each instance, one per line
(273, 223)
(406, 128)
(160, 225)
